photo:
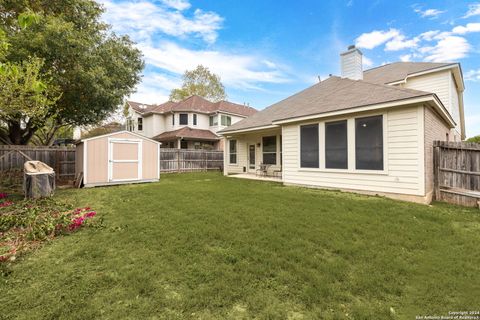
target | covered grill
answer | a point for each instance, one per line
(38, 180)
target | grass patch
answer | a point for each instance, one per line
(203, 246)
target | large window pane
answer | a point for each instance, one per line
(309, 146)
(233, 151)
(336, 147)
(183, 119)
(269, 149)
(369, 143)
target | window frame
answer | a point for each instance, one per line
(182, 115)
(351, 146)
(140, 124)
(324, 162)
(228, 120)
(319, 128)
(173, 119)
(212, 120)
(270, 152)
(194, 120)
(383, 131)
(230, 153)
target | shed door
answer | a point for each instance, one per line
(124, 159)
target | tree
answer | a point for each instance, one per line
(25, 100)
(475, 139)
(93, 69)
(202, 82)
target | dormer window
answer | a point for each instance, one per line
(140, 124)
(213, 120)
(183, 119)
(226, 120)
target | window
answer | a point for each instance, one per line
(336, 147)
(194, 119)
(173, 119)
(233, 151)
(369, 143)
(183, 144)
(130, 125)
(183, 119)
(213, 120)
(309, 146)
(140, 124)
(269, 149)
(226, 120)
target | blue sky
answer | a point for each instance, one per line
(266, 50)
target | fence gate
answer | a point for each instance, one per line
(456, 167)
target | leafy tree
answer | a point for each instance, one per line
(25, 100)
(93, 68)
(202, 82)
(475, 139)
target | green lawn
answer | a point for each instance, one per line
(202, 246)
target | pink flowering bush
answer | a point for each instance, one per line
(3, 195)
(26, 224)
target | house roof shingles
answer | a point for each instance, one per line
(333, 94)
(187, 133)
(196, 104)
(398, 71)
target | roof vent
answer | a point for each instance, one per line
(142, 106)
(351, 63)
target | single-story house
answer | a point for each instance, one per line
(367, 131)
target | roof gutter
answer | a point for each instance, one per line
(224, 132)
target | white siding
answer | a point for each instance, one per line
(404, 158)
(438, 83)
(455, 106)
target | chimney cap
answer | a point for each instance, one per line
(351, 47)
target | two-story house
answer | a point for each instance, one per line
(188, 124)
(366, 131)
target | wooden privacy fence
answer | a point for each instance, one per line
(185, 160)
(456, 168)
(61, 159)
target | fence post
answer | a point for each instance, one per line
(178, 161)
(436, 169)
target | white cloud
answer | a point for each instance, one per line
(177, 4)
(470, 27)
(473, 10)
(472, 75)
(448, 49)
(400, 43)
(142, 19)
(236, 70)
(367, 63)
(429, 35)
(375, 38)
(406, 57)
(429, 13)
